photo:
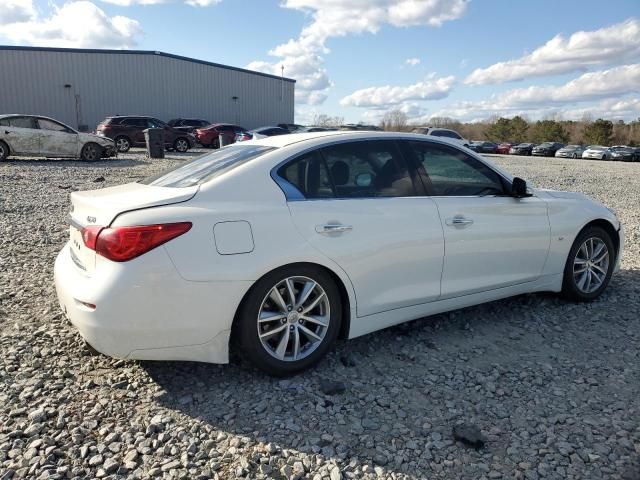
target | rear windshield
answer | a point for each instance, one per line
(208, 166)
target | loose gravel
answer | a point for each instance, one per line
(541, 388)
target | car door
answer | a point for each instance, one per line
(356, 203)
(57, 140)
(492, 239)
(21, 134)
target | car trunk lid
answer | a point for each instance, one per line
(98, 208)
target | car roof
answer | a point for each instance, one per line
(340, 135)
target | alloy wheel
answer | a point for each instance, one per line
(122, 144)
(181, 145)
(591, 265)
(293, 318)
(90, 153)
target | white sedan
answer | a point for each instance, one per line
(278, 246)
(30, 135)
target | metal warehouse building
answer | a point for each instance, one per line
(81, 87)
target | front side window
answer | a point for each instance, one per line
(208, 166)
(51, 126)
(451, 172)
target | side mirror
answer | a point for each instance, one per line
(519, 188)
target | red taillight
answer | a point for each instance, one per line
(90, 235)
(121, 244)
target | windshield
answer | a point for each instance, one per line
(207, 166)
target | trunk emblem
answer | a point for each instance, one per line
(91, 219)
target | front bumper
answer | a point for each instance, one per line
(145, 310)
(109, 151)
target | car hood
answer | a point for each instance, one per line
(90, 137)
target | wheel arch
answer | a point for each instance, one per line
(345, 299)
(9, 149)
(608, 227)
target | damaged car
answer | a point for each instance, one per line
(30, 135)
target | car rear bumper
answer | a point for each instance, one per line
(145, 310)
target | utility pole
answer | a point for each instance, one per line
(282, 83)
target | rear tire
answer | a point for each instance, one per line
(4, 151)
(123, 144)
(589, 265)
(91, 152)
(302, 329)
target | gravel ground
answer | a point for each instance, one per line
(554, 387)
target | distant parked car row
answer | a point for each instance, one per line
(556, 149)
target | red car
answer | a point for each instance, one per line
(210, 136)
(504, 147)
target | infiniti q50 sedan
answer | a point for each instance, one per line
(276, 247)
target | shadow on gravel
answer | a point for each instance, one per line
(404, 388)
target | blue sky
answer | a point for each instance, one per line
(351, 57)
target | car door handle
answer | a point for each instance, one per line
(7, 132)
(458, 221)
(333, 228)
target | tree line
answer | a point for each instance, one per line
(520, 130)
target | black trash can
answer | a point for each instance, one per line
(154, 137)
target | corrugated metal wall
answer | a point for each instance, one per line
(82, 88)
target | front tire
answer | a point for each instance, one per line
(4, 151)
(589, 265)
(289, 320)
(91, 152)
(181, 145)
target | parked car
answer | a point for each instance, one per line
(522, 149)
(128, 131)
(261, 132)
(450, 135)
(31, 135)
(359, 127)
(504, 148)
(597, 152)
(624, 153)
(571, 151)
(188, 124)
(313, 129)
(546, 149)
(209, 136)
(243, 252)
(483, 147)
(292, 127)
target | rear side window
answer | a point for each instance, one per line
(309, 175)
(22, 122)
(351, 170)
(207, 166)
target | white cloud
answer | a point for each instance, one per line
(431, 88)
(337, 18)
(14, 11)
(412, 110)
(412, 62)
(128, 3)
(75, 24)
(202, 3)
(612, 45)
(609, 86)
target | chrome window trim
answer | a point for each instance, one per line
(292, 194)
